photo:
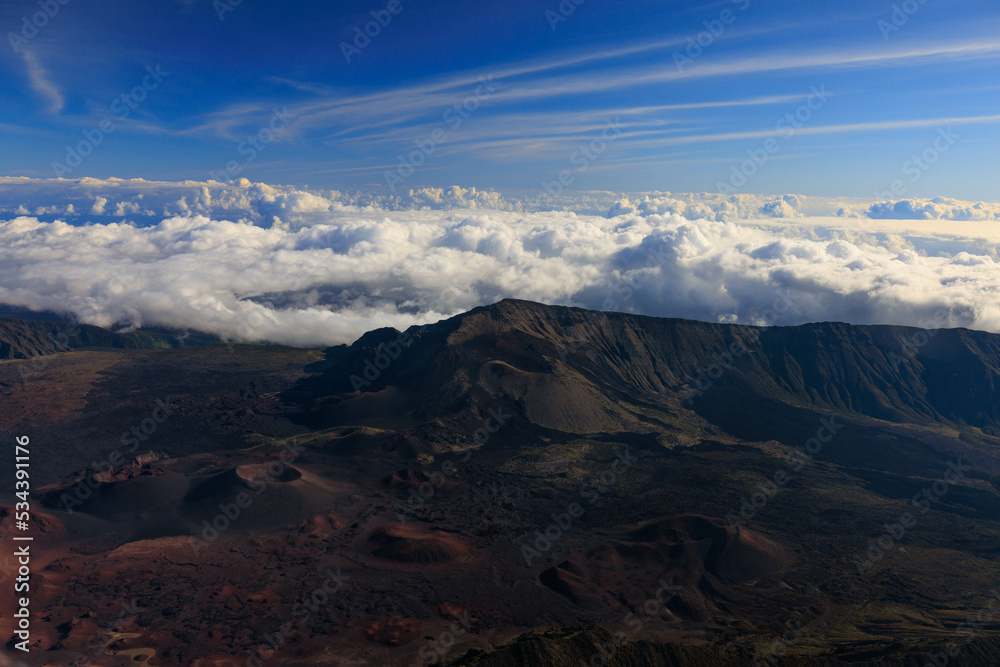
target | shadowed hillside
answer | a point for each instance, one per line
(530, 354)
(26, 339)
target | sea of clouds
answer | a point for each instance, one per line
(256, 262)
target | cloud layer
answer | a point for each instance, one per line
(255, 262)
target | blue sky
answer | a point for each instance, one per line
(891, 91)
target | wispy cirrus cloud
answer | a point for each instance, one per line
(530, 119)
(534, 82)
(40, 82)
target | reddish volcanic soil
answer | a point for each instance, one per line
(409, 544)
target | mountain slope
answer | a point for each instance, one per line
(884, 372)
(26, 339)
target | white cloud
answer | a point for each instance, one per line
(939, 208)
(264, 262)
